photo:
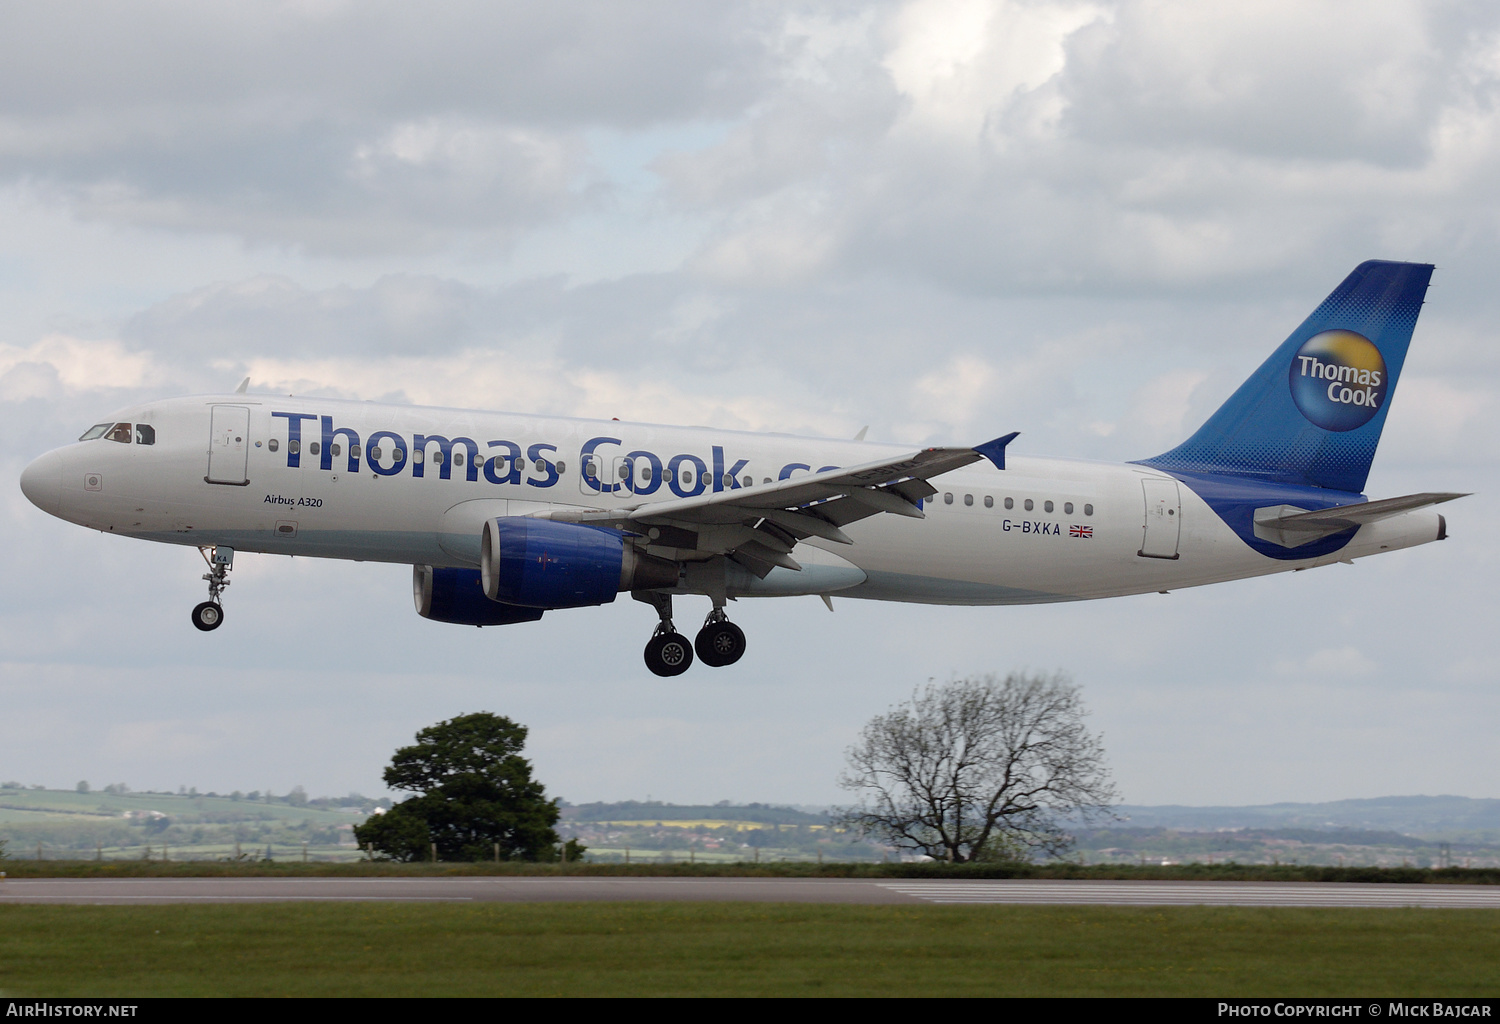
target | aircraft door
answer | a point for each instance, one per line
(1163, 518)
(591, 478)
(228, 445)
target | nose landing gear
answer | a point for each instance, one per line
(668, 653)
(210, 614)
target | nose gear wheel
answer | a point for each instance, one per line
(208, 615)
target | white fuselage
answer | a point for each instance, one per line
(1040, 530)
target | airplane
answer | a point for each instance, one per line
(505, 517)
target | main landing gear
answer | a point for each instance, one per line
(668, 653)
(209, 614)
(719, 643)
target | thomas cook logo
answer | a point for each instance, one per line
(1338, 380)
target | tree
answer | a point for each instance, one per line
(474, 790)
(979, 769)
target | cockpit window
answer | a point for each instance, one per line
(145, 433)
(119, 432)
(97, 430)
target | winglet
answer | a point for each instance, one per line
(244, 386)
(995, 450)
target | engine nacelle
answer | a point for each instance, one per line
(457, 595)
(536, 563)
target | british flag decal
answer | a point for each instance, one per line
(1080, 531)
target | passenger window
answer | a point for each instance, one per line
(646, 473)
(294, 446)
(374, 452)
(437, 456)
(1067, 508)
(354, 451)
(1048, 506)
(96, 431)
(120, 432)
(540, 466)
(335, 450)
(313, 448)
(968, 499)
(948, 498)
(1088, 510)
(989, 501)
(687, 477)
(458, 460)
(1010, 502)
(562, 467)
(145, 433)
(1030, 504)
(273, 444)
(419, 455)
(748, 481)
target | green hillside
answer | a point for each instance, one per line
(115, 823)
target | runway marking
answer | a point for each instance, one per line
(1205, 894)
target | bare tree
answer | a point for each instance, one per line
(979, 768)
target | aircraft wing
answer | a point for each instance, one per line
(759, 525)
(1292, 527)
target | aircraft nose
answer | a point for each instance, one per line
(41, 482)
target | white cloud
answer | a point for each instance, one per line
(58, 363)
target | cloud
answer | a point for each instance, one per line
(350, 128)
(1329, 663)
(1016, 146)
(59, 364)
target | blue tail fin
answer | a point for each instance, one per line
(1313, 412)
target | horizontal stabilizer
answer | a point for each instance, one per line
(1292, 527)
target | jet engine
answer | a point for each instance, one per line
(537, 563)
(455, 595)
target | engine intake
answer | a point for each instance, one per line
(456, 595)
(536, 563)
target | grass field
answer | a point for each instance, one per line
(601, 949)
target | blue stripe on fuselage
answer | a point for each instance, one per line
(1234, 499)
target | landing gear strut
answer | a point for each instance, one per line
(668, 653)
(209, 614)
(720, 642)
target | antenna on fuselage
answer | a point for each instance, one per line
(862, 432)
(244, 387)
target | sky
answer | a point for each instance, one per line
(941, 219)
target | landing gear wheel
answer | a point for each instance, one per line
(720, 643)
(669, 654)
(208, 615)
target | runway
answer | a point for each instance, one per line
(129, 891)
